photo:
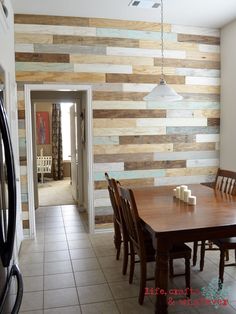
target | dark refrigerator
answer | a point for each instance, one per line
(11, 284)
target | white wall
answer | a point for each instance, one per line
(228, 97)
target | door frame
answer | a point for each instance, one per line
(29, 147)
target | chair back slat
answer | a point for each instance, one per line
(114, 197)
(131, 218)
(226, 181)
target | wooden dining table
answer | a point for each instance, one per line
(170, 221)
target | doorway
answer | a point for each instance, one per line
(82, 182)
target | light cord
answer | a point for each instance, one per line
(162, 42)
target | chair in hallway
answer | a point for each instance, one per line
(121, 234)
(141, 244)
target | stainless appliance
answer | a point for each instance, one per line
(11, 284)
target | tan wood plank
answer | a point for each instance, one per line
(100, 185)
(114, 123)
(167, 164)
(195, 55)
(145, 69)
(180, 147)
(118, 96)
(123, 157)
(151, 44)
(33, 39)
(185, 63)
(191, 171)
(213, 121)
(88, 41)
(124, 24)
(142, 78)
(60, 77)
(118, 149)
(152, 139)
(210, 40)
(50, 20)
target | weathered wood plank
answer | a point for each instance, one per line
(185, 63)
(129, 131)
(118, 96)
(118, 105)
(124, 24)
(42, 57)
(126, 182)
(154, 139)
(199, 39)
(21, 38)
(213, 121)
(91, 40)
(178, 147)
(195, 55)
(132, 148)
(193, 130)
(154, 44)
(60, 77)
(50, 20)
(191, 171)
(142, 78)
(123, 157)
(114, 123)
(145, 69)
(21, 114)
(129, 113)
(168, 164)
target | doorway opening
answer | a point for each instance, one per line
(68, 167)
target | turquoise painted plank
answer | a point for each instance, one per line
(183, 105)
(24, 197)
(134, 174)
(193, 130)
(44, 66)
(133, 34)
(105, 140)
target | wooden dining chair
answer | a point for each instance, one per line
(121, 234)
(141, 244)
(226, 183)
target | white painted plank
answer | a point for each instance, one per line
(24, 48)
(108, 87)
(129, 131)
(183, 180)
(179, 113)
(103, 68)
(209, 48)
(135, 87)
(171, 122)
(203, 163)
(55, 29)
(106, 167)
(214, 81)
(186, 155)
(191, 30)
(202, 138)
(102, 202)
(100, 194)
(197, 72)
(141, 52)
(119, 105)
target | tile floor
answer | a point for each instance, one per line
(68, 271)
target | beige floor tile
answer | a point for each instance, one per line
(107, 250)
(31, 258)
(108, 307)
(77, 236)
(56, 246)
(57, 256)
(75, 229)
(32, 269)
(82, 253)
(55, 238)
(110, 261)
(59, 230)
(33, 283)
(79, 244)
(92, 294)
(57, 268)
(64, 310)
(123, 289)
(132, 306)
(90, 277)
(59, 281)
(32, 301)
(60, 297)
(53, 219)
(73, 223)
(85, 264)
(32, 312)
(113, 274)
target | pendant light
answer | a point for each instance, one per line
(162, 92)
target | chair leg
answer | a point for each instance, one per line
(187, 276)
(132, 263)
(171, 267)
(126, 254)
(143, 275)
(202, 255)
(221, 268)
(117, 239)
(195, 245)
(227, 255)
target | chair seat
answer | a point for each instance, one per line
(226, 243)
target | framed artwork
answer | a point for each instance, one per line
(43, 128)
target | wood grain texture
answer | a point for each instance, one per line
(124, 24)
(26, 224)
(193, 130)
(50, 20)
(208, 113)
(118, 96)
(154, 139)
(199, 39)
(185, 63)
(195, 55)
(151, 44)
(178, 147)
(131, 148)
(100, 41)
(115, 114)
(168, 164)
(21, 114)
(114, 123)
(99, 185)
(42, 57)
(139, 78)
(213, 121)
(145, 69)
(60, 77)
(191, 171)
(33, 39)
(123, 157)
(129, 131)
(118, 105)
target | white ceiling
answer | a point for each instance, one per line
(205, 13)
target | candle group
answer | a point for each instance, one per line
(184, 194)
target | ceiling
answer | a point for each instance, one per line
(204, 13)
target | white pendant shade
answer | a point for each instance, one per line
(162, 92)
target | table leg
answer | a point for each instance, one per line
(161, 276)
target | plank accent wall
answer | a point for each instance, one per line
(137, 142)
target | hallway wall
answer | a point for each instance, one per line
(139, 143)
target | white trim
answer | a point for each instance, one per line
(29, 150)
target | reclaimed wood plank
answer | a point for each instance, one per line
(153, 139)
(191, 171)
(114, 123)
(129, 113)
(126, 182)
(131, 148)
(167, 164)
(185, 63)
(114, 96)
(21, 38)
(142, 78)
(213, 121)
(118, 105)
(129, 131)
(200, 39)
(42, 57)
(193, 130)
(186, 155)
(123, 157)
(177, 147)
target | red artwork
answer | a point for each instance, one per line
(43, 130)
